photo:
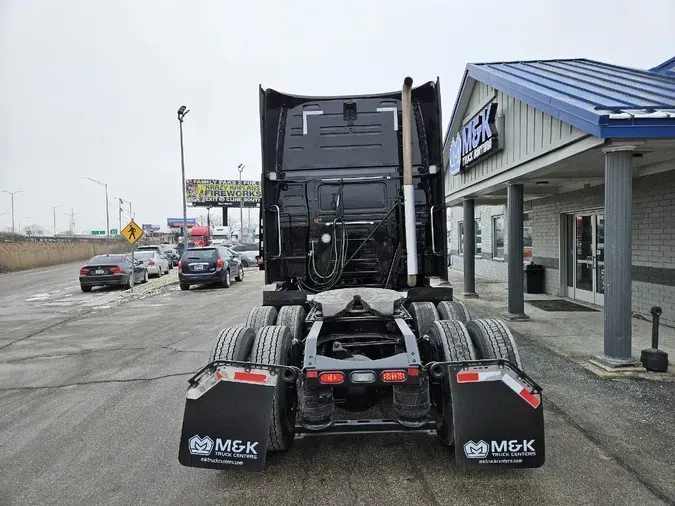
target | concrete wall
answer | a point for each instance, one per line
(653, 269)
(23, 255)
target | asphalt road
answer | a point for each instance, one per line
(91, 409)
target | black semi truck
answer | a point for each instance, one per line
(358, 314)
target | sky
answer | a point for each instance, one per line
(90, 88)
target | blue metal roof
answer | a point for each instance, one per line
(666, 68)
(604, 100)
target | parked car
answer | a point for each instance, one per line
(155, 263)
(111, 270)
(173, 256)
(180, 247)
(209, 265)
(162, 249)
(248, 253)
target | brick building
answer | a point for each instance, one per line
(578, 158)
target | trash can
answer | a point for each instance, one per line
(534, 278)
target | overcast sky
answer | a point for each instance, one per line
(91, 88)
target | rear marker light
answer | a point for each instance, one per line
(467, 377)
(250, 376)
(362, 377)
(312, 374)
(393, 376)
(413, 371)
(331, 378)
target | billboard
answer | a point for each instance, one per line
(178, 222)
(222, 192)
(150, 228)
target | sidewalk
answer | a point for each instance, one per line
(575, 335)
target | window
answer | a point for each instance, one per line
(498, 237)
(479, 248)
(527, 236)
(201, 254)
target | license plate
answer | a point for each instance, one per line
(99, 271)
(198, 267)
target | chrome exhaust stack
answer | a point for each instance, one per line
(408, 188)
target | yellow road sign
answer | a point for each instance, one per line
(132, 232)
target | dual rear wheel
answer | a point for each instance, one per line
(267, 338)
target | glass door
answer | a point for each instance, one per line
(589, 258)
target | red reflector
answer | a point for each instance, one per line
(531, 399)
(467, 377)
(250, 376)
(312, 374)
(413, 371)
(331, 378)
(393, 376)
(219, 376)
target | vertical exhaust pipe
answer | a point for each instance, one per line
(408, 188)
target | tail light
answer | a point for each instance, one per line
(180, 266)
(219, 263)
(84, 271)
(393, 376)
(331, 378)
(116, 269)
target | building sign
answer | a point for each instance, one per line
(475, 141)
(178, 222)
(222, 193)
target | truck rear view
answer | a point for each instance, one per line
(333, 190)
(353, 230)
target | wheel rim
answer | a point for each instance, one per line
(241, 273)
(227, 278)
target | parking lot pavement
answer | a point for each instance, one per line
(92, 409)
(35, 299)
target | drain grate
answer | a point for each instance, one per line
(559, 305)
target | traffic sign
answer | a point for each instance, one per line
(98, 232)
(132, 232)
(113, 231)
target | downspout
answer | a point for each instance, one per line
(408, 188)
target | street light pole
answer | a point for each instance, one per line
(240, 168)
(182, 112)
(54, 211)
(12, 194)
(107, 211)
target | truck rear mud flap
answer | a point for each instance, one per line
(227, 415)
(498, 414)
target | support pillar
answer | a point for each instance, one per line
(618, 257)
(469, 249)
(224, 216)
(514, 230)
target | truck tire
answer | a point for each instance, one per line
(453, 310)
(232, 343)
(293, 317)
(272, 345)
(423, 314)
(261, 316)
(493, 339)
(449, 341)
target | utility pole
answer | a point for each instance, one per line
(107, 210)
(71, 221)
(240, 168)
(54, 211)
(12, 194)
(182, 112)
